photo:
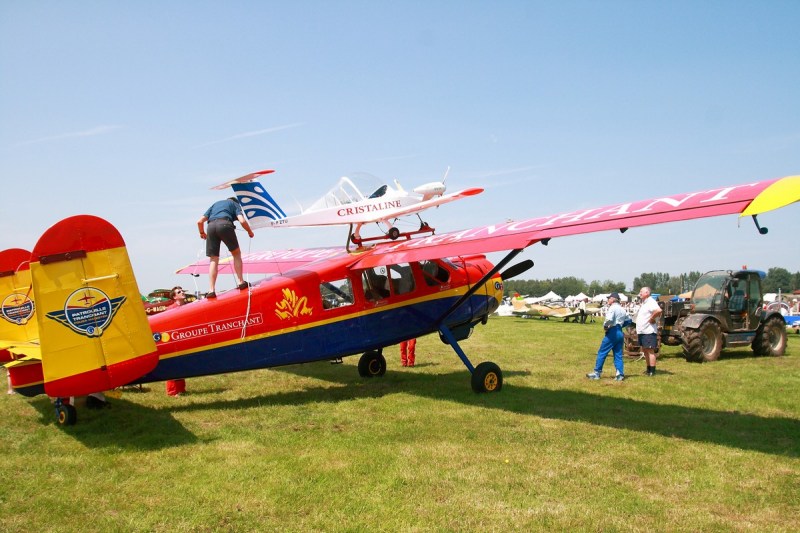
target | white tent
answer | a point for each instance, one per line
(581, 296)
(550, 297)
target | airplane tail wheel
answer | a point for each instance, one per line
(487, 377)
(66, 415)
(394, 233)
(372, 364)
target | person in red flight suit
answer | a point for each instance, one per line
(408, 352)
(176, 387)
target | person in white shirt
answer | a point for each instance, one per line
(647, 328)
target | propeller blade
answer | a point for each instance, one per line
(516, 270)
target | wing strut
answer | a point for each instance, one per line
(475, 286)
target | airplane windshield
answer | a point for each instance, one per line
(349, 189)
(435, 274)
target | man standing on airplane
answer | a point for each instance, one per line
(221, 228)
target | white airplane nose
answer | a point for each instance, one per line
(430, 190)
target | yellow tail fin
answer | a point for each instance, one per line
(93, 330)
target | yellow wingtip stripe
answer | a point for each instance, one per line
(783, 192)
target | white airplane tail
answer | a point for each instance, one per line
(258, 206)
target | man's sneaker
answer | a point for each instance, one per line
(593, 375)
(619, 377)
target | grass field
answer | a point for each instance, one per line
(711, 447)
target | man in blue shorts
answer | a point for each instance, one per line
(221, 228)
(647, 328)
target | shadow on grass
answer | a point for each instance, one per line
(123, 425)
(777, 436)
(130, 426)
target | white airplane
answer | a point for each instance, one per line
(345, 204)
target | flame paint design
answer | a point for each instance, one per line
(292, 306)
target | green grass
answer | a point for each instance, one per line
(712, 447)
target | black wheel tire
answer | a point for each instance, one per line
(703, 344)
(770, 338)
(66, 415)
(394, 233)
(487, 377)
(372, 364)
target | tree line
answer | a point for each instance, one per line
(777, 278)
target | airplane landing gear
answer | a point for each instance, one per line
(66, 414)
(487, 377)
(372, 364)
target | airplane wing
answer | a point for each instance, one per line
(765, 195)
(19, 350)
(421, 206)
(268, 262)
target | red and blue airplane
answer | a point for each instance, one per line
(321, 304)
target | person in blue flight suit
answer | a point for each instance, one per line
(616, 319)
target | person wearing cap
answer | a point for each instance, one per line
(647, 328)
(616, 319)
(176, 387)
(221, 228)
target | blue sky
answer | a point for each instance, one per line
(132, 110)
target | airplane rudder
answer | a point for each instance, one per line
(94, 331)
(17, 305)
(258, 205)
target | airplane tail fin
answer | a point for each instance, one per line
(93, 329)
(19, 334)
(257, 204)
(17, 307)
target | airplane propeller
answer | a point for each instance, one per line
(516, 270)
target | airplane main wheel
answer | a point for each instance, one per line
(372, 364)
(487, 377)
(394, 233)
(66, 415)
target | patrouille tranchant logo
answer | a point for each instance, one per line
(88, 311)
(17, 308)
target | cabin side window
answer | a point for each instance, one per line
(337, 293)
(434, 273)
(375, 283)
(402, 278)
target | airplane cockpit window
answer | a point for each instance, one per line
(375, 283)
(336, 293)
(402, 278)
(434, 273)
(379, 192)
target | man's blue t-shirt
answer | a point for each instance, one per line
(227, 209)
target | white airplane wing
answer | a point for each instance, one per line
(420, 206)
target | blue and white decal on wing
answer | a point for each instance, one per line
(258, 206)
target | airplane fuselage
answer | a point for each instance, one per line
(297, 317)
